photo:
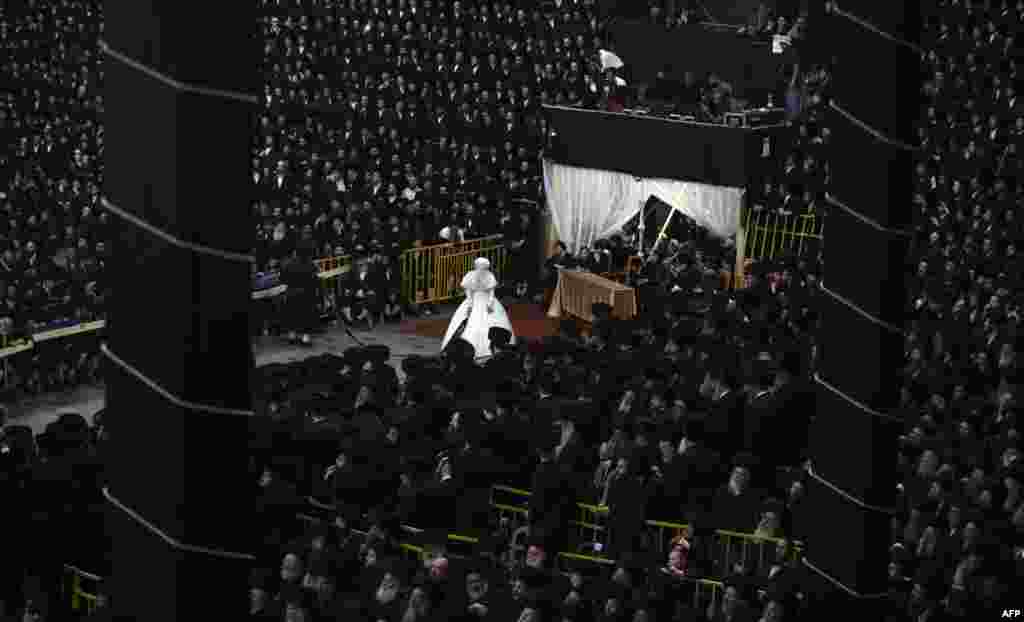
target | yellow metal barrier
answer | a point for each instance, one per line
(429, 273)
(434, 273)
(592, 518)
(331, 270)
(729, 547)
(414, 552)
(770, 234)
(708, 593)
(82, 601)
(456, 541)
(751, 550)
(663, 533)
(329, 267)
(598, 562)
(518, 492)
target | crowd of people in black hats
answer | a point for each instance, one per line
(696, 413)
(52, 232)
(383, 127)
(393, 125)
(961, 536)
(643, 417)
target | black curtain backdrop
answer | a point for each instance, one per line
(661, 148)
(180, 162)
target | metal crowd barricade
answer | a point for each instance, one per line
(83, 602)
(728, 547)
(592, 523)
(434, 273)
(708, 593)
(751, 550)
(662, 533)
(770, 234)
(510, 503)
(331, 270)
(413, 552)
(459, 546)
(599, 563)
(590, 520)
(508, 495)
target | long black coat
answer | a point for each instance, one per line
(724, 425)
(302, 297)
(627, 497)
(551, 504)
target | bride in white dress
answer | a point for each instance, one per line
(481, 310)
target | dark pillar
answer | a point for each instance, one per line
(179, 161)
(854, 448)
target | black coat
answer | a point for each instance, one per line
(761, 427)
(736, 512)
(724, 425)
(794, 405)
(628, 497)
(436, 503)
(552, 503)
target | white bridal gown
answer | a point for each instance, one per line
(479, 286)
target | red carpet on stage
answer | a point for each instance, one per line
(529, 322)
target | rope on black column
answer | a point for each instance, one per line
(833, 8)
(896, 330)
(867, 220)
(839, 584)
(809, 469)
(195, 248)
(173, 241)
(864, 505)
(870, 130)
(167, 395)
(173, 83)
(852, 400)
(171, 541)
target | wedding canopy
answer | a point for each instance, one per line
(591, 204)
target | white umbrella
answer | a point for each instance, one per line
(609, 60)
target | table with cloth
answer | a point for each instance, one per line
(577, 291)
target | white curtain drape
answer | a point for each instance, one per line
(590, 204)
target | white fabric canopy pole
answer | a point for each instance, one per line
(664, 228)
(739, 272)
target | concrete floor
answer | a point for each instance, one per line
(87, 400)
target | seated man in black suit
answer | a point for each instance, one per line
(549, 274)
(359, 295)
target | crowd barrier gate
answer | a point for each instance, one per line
(434, 273)
(428, 273)
(82, 601)
(770, 235)
(728, 547)
(707, 591)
